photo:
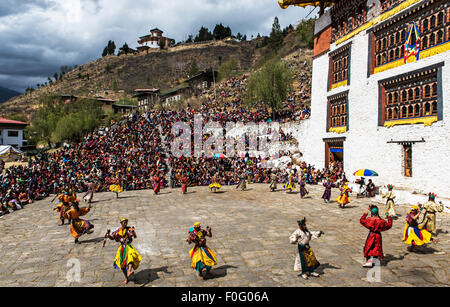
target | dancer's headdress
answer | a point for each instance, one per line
(432, 195)
(414, 208)
(302, 222)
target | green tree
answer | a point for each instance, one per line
(269, 85)
(110, 48)
(193, 69)
(57, 122)
(44, 123)
(219, 32)
(203, 35)
(228, 69)
(305, 32)
(124, 49)
(276, 36)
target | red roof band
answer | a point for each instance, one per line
(10, 121)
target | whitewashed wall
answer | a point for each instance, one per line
(366, 143)
(8, 140)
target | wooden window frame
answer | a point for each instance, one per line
(426, 82)
(433, 21)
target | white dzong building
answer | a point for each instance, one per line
(380, 92)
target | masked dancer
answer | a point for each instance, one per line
(127, 258)
(373, 248)
(306, 260)
(202, 257)
(78, 226)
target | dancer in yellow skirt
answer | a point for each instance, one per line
(413, 235)
(289, 185)
(78, 226)
(65, 199)
(127, 258)
(202, 257)
(116, 188)
(215, 185)
(344, 197)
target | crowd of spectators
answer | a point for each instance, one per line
(131, 151)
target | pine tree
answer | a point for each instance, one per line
(276, 36)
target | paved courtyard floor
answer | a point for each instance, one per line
(250, 229)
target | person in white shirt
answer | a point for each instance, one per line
(306, 260)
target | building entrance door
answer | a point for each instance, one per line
(334, 151)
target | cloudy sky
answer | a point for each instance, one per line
(39, 36)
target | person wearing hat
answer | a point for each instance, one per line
(273, 180)
(327, 193)
(202, 257)
(242, 183)
(78, 226)
(127, 258)
(65, 198)
(344, 197)
(289, 186)
(412, 233)
(305, 260)
(373, 248)
(215, 185)
(390, 206)
(430, 208)
(302, 185)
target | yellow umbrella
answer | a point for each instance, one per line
(303, 3)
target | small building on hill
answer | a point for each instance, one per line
(167, 99)
(147, 98)
(202, 80)
(106, 101)
(153, 40)
(123, 108)
(11, 132)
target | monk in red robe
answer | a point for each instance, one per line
(373, 249)
(184, 182)
(156, 183)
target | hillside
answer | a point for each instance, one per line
(6, 94)
(117, 77)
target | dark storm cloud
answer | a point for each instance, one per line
(11, 7)
(38, 37)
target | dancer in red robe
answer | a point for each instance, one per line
(184, 183)
(374, 246)
(156, 183)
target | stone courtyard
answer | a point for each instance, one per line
(250, 230)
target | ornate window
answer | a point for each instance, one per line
(348, 15)
(411, 98)
(388, 39)
(339, 67)
(338, 113)
(407, 160)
